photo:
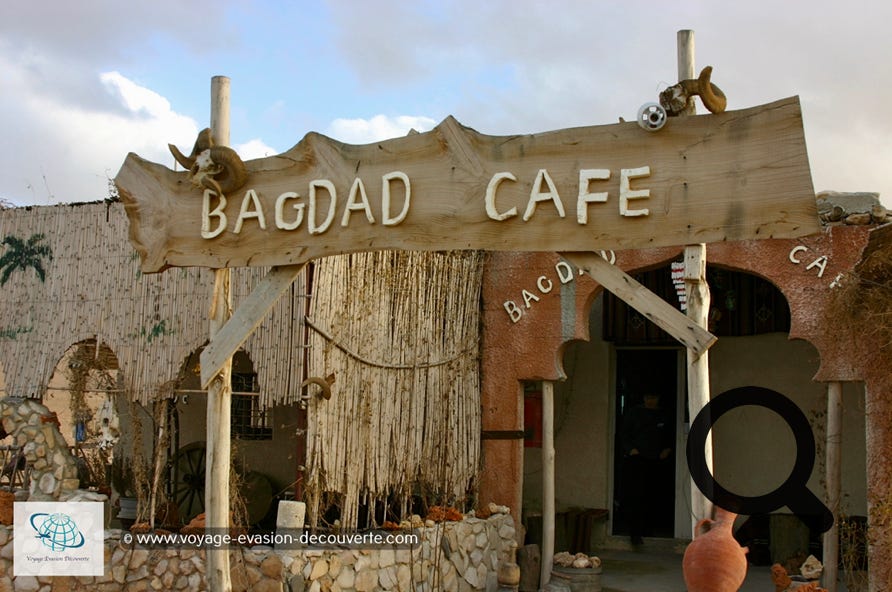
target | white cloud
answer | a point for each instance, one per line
(67, 151)
(379, 127)
(255, 148)
(135, 98)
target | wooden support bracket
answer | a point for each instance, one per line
(654, 308)
(245, 319)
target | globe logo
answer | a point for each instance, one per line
(57, 531)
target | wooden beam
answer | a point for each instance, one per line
(219, 401)
(246, 318)
(698, 302)
(654, 308)
(548, 508)
(834, 474)
(686, 71)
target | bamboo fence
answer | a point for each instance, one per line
(399, 332)
(93, 289)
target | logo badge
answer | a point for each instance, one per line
(58, 539)
(57, 531)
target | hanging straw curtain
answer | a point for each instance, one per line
(92, 289)
(400, 333)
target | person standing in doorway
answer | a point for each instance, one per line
(646, 439)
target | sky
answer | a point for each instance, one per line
(84, 83)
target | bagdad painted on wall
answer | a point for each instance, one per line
(727, 176)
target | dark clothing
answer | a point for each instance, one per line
(639, 500)
(648, 431)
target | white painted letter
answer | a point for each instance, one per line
(794, 251)
(564, 271)
(385, 198)
(280, 211)
(537, 195)
(491, 210)
(358, 189)
(543, 287)
(206, 214)
(513, 310)
(625, 193)
(332, 192)
(529, 298)
(585, 177)
(820, 263)
(244, 212)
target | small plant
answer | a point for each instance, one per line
(853, 552)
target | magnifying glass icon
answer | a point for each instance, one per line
(793, 493)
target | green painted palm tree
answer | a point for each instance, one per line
(22, 254)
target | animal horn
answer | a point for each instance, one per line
(323, 383)
(202, 143)
(712, 96)
(233, 174)
(185, 161)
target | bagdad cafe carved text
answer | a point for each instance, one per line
(289, 210)
(729, 176)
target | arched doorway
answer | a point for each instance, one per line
(82, 392)
(646, 359)
(626, 355)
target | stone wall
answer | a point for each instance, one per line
(35, 430)
(453, 557)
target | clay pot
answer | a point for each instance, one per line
(714, 561)
(509, 571)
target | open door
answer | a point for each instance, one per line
(644, 488)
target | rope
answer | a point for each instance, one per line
(330, 338)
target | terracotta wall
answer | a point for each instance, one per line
(554, 313)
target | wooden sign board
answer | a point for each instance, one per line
(730, 176)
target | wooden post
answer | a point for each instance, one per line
(686, 67)
(698, 300)
(547, 482)
(219, 401)
(834, 473)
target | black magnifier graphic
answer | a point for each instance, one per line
(793, 493)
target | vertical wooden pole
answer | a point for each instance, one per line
(698, 300)
(219, 401)
(547, 482)
(834, 474)
(686, 63)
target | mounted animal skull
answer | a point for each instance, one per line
(675, 98)
(218, 168)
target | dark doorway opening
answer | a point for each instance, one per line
(647, 496)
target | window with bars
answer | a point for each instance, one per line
(249, 421)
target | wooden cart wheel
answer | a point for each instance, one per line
(188, 487)
(188, 472)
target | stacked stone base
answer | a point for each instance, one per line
(453, 557)
(35, 430)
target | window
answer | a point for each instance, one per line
(249, 421)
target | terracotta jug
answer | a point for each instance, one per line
(714, 561)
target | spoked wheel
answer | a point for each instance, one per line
(187, 473)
